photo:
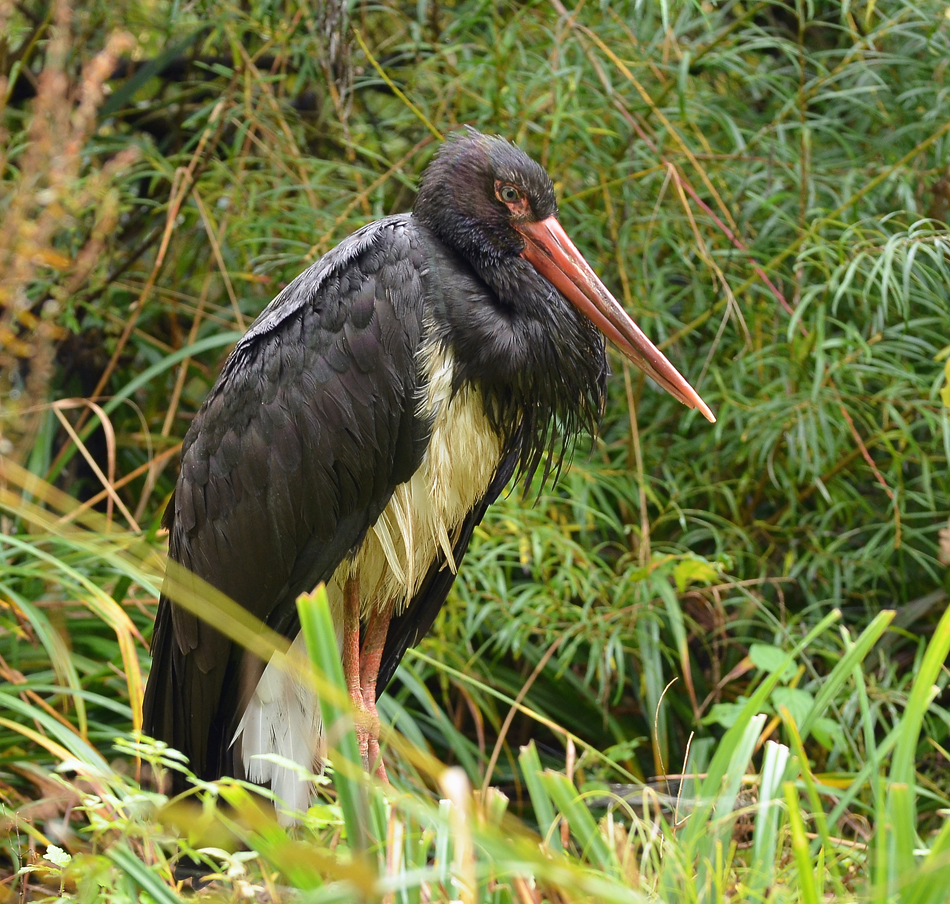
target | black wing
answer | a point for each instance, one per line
(293, 456)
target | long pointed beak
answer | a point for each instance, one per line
(554, 256)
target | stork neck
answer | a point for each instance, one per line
(539, 363)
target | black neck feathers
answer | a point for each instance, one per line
(540, 365)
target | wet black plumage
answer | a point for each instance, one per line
(316, 419)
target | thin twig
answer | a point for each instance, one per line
(538, 669)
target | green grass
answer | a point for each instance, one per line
(757, 606)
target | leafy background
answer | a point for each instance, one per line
(764, 185)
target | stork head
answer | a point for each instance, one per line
(494, 204)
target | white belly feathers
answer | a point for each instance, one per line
(419, 525)
(425, 512)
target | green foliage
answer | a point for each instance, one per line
(765, 186)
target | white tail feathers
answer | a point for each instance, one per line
(283, 719)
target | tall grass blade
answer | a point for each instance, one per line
(768, 813)
(316, 622)
(582, 824)
(904, 765)
(806, 878)
(544, 811)
(146, 880)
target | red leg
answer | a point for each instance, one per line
(351, 659)
(370, 659)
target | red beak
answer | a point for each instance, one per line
(554, 256)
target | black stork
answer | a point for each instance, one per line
(357, 434)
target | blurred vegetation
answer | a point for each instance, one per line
(765, 185)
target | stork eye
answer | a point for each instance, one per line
(509, 194)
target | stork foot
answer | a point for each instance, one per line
(376, 762)
(367, 733)
(366, 717)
